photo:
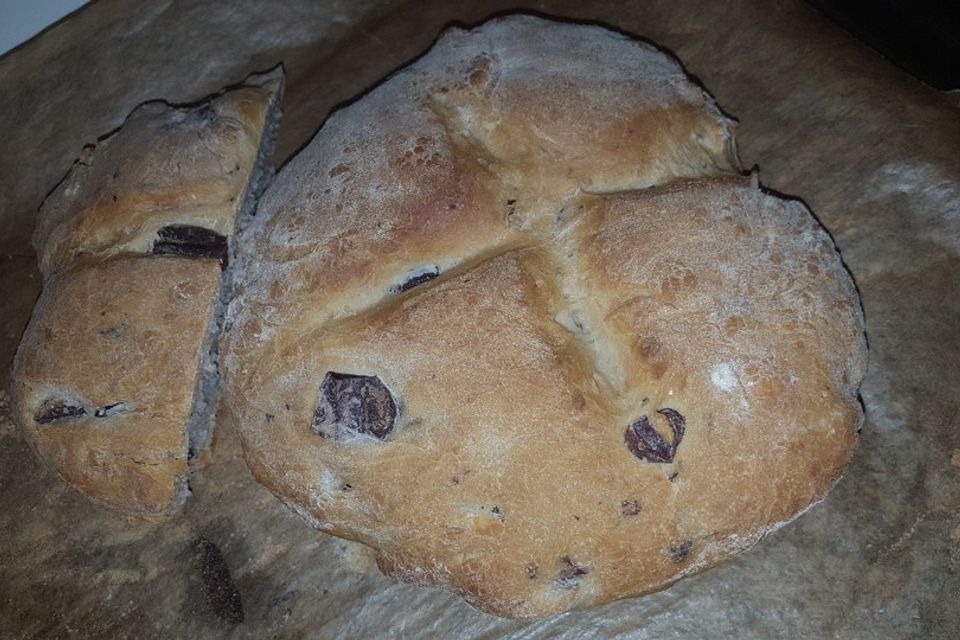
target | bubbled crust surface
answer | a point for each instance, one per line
(129, 330)
(165, 166)
(570, 304)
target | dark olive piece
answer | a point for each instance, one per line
(59, 411)
(192, 242)
(646, 443)
(418, 279)
(350, 404)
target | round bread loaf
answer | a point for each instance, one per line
(515, 320)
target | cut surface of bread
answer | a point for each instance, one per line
(515, 320)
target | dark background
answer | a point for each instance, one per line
(920, 36)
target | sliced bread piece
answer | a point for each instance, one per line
(115, 380)
(106, 376)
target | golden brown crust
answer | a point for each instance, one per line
(602, 388)
(165, 166)
(122, 338)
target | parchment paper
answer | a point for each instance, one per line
(873, 152)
